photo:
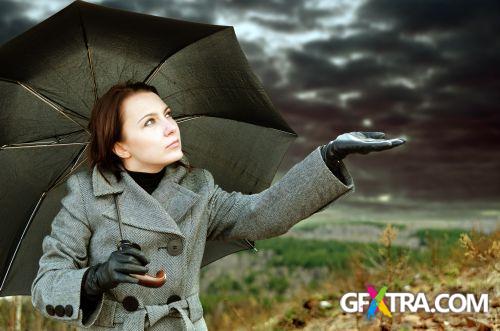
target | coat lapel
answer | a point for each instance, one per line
(160, 211)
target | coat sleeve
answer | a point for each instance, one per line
(307, 188)
(57, 285)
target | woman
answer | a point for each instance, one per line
(141, 186)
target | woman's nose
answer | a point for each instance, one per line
(168, 128)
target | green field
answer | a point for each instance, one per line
(330, 246)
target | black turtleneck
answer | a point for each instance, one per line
(148, 181)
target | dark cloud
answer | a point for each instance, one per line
(428, 69)
(252, 49)
(424, 16)
(202, 11)
(309, 71)
(298, 20)
(278, 25)
(382, 98)
(13, 20)
(262, 65)
(289, 16)
(265, 6)
(390, 46)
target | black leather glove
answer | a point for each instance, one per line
(104, 276)
(357, 142)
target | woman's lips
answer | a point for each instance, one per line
(173, 144)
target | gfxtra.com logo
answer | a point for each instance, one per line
(391, 302)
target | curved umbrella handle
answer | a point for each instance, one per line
(145, 280)
(152, 281)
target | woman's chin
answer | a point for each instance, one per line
(174, 156)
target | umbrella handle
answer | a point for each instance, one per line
(145, 280)
(152, 281)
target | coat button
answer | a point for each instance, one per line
(130, 303)
(69, 310)
(173, 298)
(50, 310)
(174, 247)
(59, 310)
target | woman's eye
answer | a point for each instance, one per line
(167, 114)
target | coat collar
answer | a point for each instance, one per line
(102, 187)
(160, 211)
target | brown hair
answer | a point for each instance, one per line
(105, 125)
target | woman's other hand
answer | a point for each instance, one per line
(116, 270)
(359, 142)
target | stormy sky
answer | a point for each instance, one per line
(427, 70)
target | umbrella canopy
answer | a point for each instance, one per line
(52, 74)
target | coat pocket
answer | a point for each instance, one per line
(107, 314)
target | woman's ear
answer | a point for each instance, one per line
(120, 150)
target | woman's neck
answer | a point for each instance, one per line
(148, 181)
(146, 172)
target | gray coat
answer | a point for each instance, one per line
(185, 210)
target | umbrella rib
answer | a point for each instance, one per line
(236, 251)
(89, 53)
(20, 240)
(61, 179)
(74, 166)
(57, 138)
(152, 75)
(166, 58)
(251, 245)
(192, 117)
(41, 144)
(50, 103)
(42, 96)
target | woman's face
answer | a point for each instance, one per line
(148, 128)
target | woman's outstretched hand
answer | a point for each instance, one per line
(359, 142)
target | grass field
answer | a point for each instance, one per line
(333, 250)
(336, 244)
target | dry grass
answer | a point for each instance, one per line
(472, 266)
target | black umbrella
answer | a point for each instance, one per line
(51, 75)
